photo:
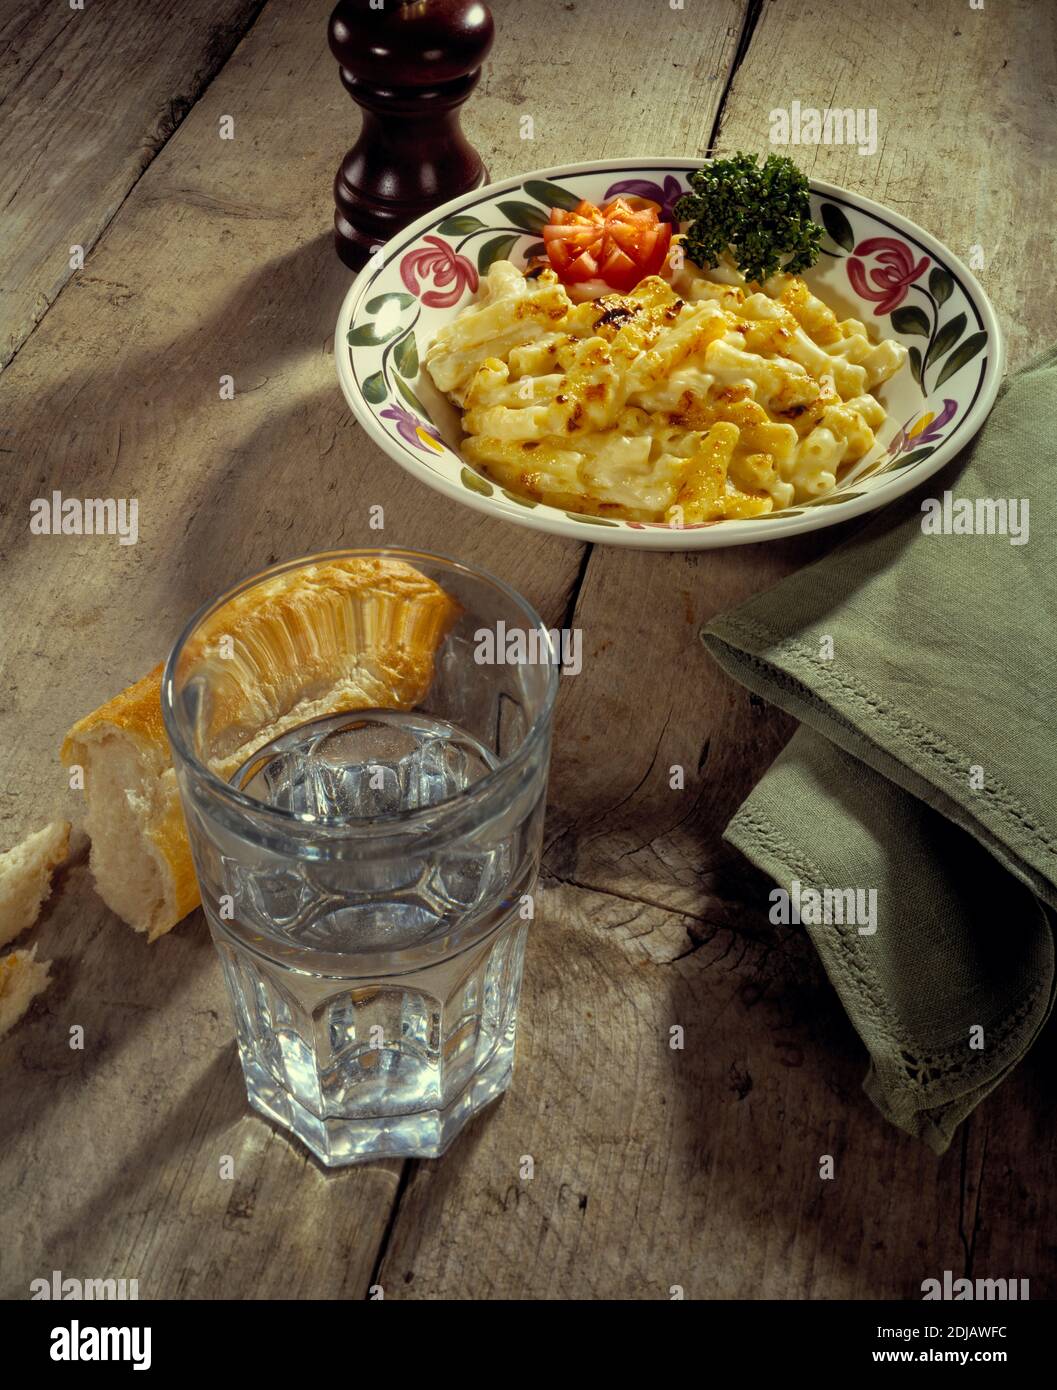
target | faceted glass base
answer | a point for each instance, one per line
(387, 1067)
(338, 1141)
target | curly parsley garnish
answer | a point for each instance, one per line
(760, 212)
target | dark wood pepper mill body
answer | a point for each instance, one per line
(409, 66)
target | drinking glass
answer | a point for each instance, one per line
(368, 876)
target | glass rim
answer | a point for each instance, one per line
(368, 825)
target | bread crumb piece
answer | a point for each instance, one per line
(22, 978)
(25, 877)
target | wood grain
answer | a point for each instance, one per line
(118, 395)
(87, 98)
(686, 1184)
(653, 1166)
(656, 1167)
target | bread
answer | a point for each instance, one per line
(25, 877)
(344, 634)
(22, 978)
(141, 859)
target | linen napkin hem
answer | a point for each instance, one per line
(899, 1080)
(894, 747)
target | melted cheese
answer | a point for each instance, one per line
(684, 402)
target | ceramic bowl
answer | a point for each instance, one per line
(876, 266)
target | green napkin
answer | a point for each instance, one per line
(925, 769)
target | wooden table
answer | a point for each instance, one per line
(206, 257)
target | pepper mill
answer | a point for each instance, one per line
(409, 67)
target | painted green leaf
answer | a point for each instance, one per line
(367, 335)
(498, 249)
(538, 248)
(590, 520)
(946, 338)
(461, 223)
(941, 284)
(375, 305)
(409, 396)
(405, 355)
(475, 483)
(768, 516)
(915, 366)
(521, 501)
(550, 195)
(915, 456)
(910, 319)
(838, 226)
(374, 388)
(960, 356)
(526, 215)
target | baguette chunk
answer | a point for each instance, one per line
(344, 634)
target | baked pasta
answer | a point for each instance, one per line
(686, 400)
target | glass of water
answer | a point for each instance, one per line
(368, 875)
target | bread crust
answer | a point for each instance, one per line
(136, 711)
(135, 714)
(345, 634)
(358, 633)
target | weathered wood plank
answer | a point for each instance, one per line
(928, 165)
(688, 1184)
(220, 262)
(655, 1167)
(87, 98)
(137, 1157)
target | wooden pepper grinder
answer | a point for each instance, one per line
(409, 66)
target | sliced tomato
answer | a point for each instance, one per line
(631, 200)
(620, 270)
(614, 246)
(571, 264)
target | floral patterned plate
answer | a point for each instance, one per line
(876, 266)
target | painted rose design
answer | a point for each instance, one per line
(894, 271)
(408, 427)
(450, 274)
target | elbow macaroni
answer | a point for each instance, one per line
(682, 402)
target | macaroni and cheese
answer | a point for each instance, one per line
(686, 400)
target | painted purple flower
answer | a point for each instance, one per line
(439, 263)
(415, 431)
(927, 430)
(890, 280)
(665, 197)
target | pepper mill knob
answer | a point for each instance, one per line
(409, 65)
